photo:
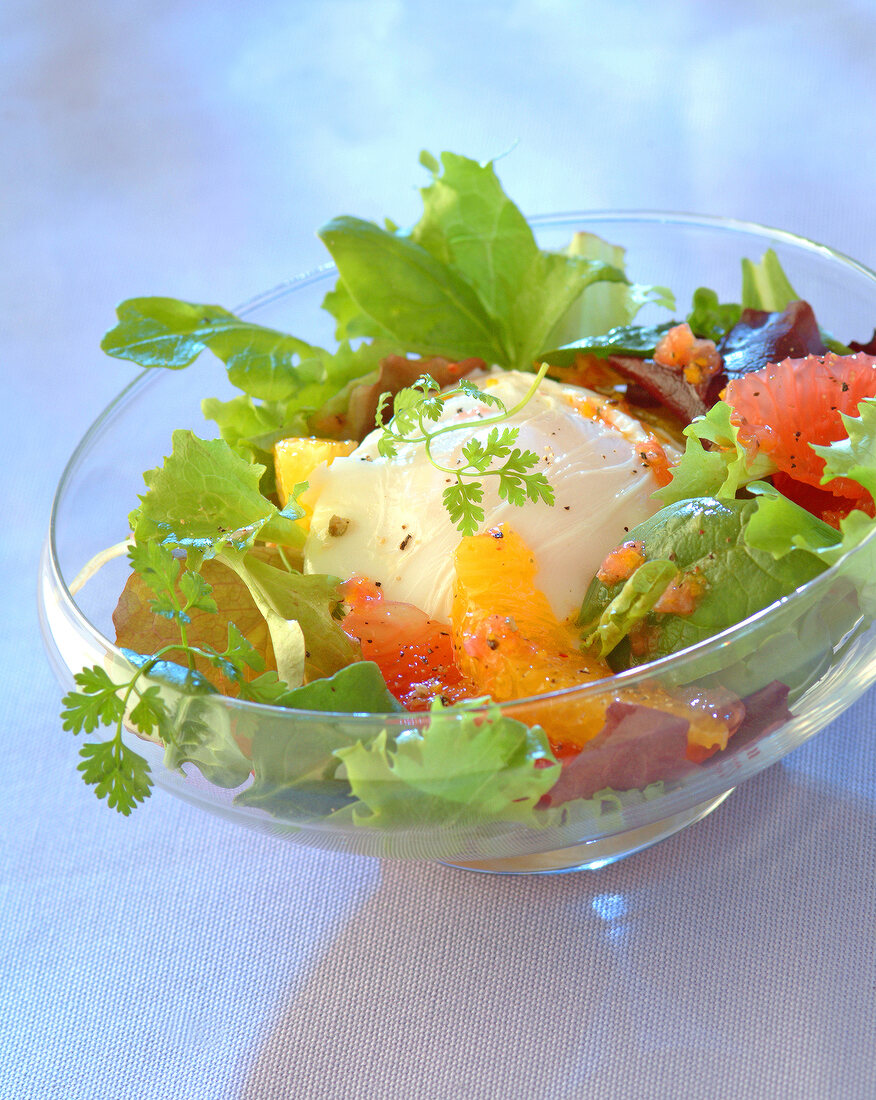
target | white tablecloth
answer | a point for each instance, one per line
(190, 149)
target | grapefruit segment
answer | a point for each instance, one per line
(413, 652)
(786, 406)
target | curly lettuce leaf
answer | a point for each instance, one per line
(206, 498)
(855, 456)
(779, 526)
(464, 768)
(719, 471)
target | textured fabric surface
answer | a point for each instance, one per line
(190, 149)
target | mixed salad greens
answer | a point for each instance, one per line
(218, 600)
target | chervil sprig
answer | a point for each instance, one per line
(117, 772)
(419, 406)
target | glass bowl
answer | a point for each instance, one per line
(818, 642)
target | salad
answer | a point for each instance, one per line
(500, 486)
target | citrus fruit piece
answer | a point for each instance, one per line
(786, 406)
(296, 458)
(413, 652)
(510, 645)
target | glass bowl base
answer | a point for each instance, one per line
(594, 854)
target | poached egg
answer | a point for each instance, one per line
(384, 519)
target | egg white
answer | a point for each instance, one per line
(384, 518)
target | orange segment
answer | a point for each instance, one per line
(509, 645)
(296, 458)
(507, 639)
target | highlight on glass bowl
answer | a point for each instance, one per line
(520, 553)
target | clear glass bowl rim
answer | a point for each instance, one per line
(406, 720)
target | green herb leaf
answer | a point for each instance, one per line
(97, 704)
(118, 774)
(150, 714)
(420, 405)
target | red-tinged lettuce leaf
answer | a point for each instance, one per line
(641, 745)
(761, 337)
(869, 348)
(637, 746)
(668, 385)
(139, 629)
(765, 711)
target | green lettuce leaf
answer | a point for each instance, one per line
(470, 224)
(707, 536)
(164, 332)
(419, 303)
(464, 768)
(636, 340)
(720, 471)
(634, 601)
(778, 526)
(469, 279)
(313, 600)
(605, 305)
(295, 769)
(709, 318)
(765, 285)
